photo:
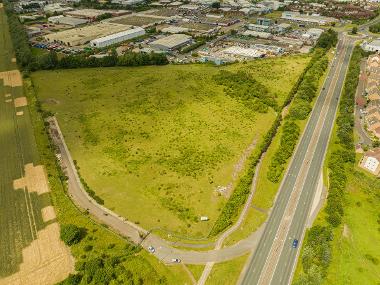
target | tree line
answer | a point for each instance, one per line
(300, 109)
(27, 61)
(317, 253)
(232, 81)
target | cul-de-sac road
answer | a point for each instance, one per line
(274, 260)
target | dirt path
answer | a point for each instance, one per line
(228, 232)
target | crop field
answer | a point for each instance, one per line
(163, 140)
(26, 215)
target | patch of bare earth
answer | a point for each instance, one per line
(19, 113)
(346, 231)
(238, 167)
(20, 102)
(48, 213)
(11, 78)
(47, 260)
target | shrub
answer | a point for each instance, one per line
(71, 234)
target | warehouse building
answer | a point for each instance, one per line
(314, 18)
(243, 52)
(372, 46)
(69, 21)
(80, 36)
(118, 37)
(93, 14)
(171, 42)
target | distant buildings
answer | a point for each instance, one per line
(80, 36)
(171, 42)
(314, 18)
(69, 21)
(117, 38)
(372, 46)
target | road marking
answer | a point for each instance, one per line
(295, 194)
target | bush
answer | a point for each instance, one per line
(375, 28)
(289, 138)
(71, 234)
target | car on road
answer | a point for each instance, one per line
(295, 243)
(176, 260)
(151, 249)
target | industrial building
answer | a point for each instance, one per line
(56, 8)
(262, 35)
(69, 21)
(243, 52)
(93, 14)
(313, 33)
(171, 42)
(118, 37)
(372, 46)
(314, 19)
(80, 36)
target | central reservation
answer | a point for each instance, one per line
(165, 146)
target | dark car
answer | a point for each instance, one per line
(295, 243)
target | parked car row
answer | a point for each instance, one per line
(60, 48)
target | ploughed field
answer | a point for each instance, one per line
(163, 146)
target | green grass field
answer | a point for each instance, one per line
(356, 253)
(228, 272)
(160, 139)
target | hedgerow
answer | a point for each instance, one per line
(316, 255)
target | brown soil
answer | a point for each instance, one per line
(13, 59)
(20, 102)
(8, 95)
(20, 113)
(8, 100)
(11, 78)
(346, 231)
(45, 261)
(48, 213)
(35, 179)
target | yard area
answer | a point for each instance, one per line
(162, 140)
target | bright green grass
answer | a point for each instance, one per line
(350, 262)
(196, 270)
(104, 241)
(159, 140)
(251, 223)
(228, 272)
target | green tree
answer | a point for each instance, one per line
(71, 234)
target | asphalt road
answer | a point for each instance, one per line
(165, 250)
(274, 259)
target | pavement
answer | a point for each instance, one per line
(274, 260)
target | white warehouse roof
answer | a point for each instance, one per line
(118, 37)
(172, 41)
